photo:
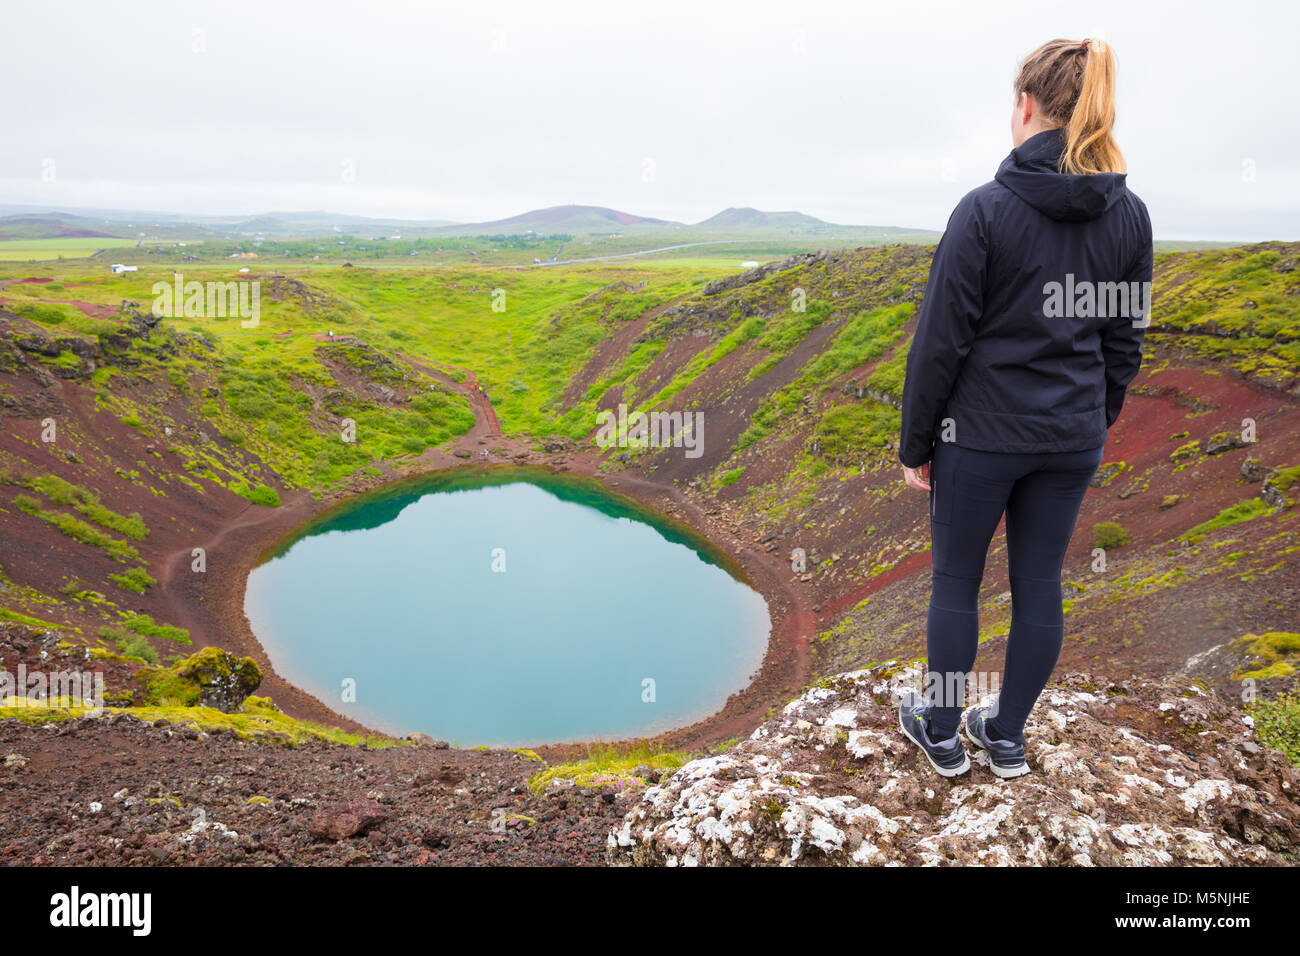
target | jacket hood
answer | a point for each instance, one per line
(1030, 172)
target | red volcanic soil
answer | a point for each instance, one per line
(118, 791)
(90, 309)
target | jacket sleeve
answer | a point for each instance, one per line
(1121, 339)
(950, 313)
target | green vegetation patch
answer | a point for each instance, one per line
(1275, 652)
(611, 765)
(1277, 723)
(136, 579)
(78, 530)
(1246, 510)
(1109, 534)
(82, 500)
(144, 624)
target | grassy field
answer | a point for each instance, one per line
(37, 250)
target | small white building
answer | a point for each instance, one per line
(118, 268)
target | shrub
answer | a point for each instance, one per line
(1109, 534)
(129, 644)
(732, 476)
(1277, 722)
(136, 579)
(261, 495)
(144, 624)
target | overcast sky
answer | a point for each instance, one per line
(855, 111)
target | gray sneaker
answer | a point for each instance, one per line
(947, 757)
(1006, 757)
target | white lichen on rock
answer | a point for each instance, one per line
(1145, 774)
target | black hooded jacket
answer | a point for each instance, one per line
(1032, 322)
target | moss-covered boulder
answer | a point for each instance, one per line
(208, 678)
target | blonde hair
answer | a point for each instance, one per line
(1074, 84)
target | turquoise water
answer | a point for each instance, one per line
(398, 594)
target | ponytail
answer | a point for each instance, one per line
(1074, 84)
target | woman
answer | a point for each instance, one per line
(1029, 334)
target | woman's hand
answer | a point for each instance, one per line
(918, 478)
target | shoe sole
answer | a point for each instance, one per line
(1003, 773)
(941, 771)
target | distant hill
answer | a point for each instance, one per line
(559, 219)
(596, 222)
(35, 222)
(297, 223)
(52, 226)
(747, 219)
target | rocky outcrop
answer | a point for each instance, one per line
(1222, 442)
(558, 445)
(225, 681)
(208, 678)
(1137, 774)
(1274, 495)
(1252, 470)
(758, 273)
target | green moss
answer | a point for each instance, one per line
(1285, 478)
(1276, 653)
(8, 614)
(144, 624)
(136, 579)
(1107, 473)
(77, 529)
(258, 721)
(87, 503)
(1246, 510)
(609, 764)
(183, 683)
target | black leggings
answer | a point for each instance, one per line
(970, 491)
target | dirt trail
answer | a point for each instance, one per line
(486, 424)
